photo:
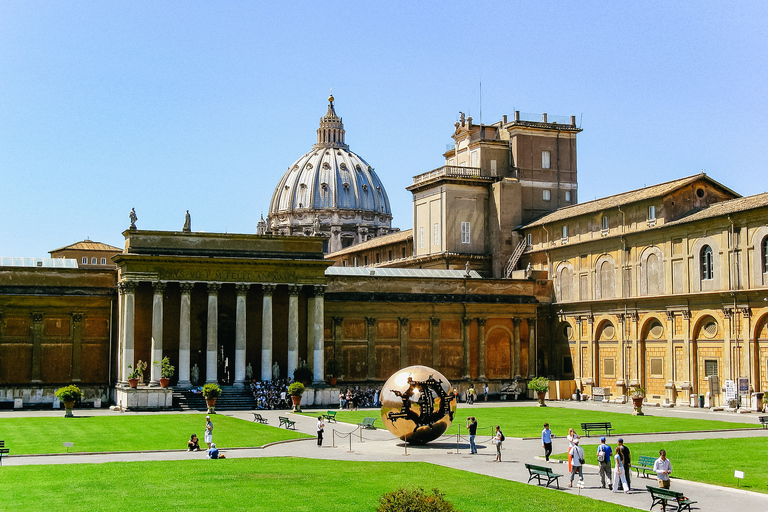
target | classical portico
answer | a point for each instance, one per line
(219, 304)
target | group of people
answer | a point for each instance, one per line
(354, 399)
(271, 394)
(621, 462)
(471, 394)
(193, 445)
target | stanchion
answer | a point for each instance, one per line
(405, 445)
(458, 438)
(361, 432)
(334, 437)
(350, 443)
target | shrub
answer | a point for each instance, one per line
(166, 368)
(414, 500)
(303, 373)
(69, 393)
(211, 390)
(296, 389)
(539, 384)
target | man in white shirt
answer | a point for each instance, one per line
(663, 468)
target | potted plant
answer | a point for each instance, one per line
(69, 395)
(638, 394)
(211, 392)
(296, 389)
(333, 370)
(166, 371)
(540, 385)
(303, 374)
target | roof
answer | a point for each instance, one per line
(38, 262)
(89, 245)
(623, 198)
(401, 272)
(725, 208)
(399, 236)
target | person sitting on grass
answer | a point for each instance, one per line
(213, 452)
(193, 445)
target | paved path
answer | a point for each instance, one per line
(380, 445)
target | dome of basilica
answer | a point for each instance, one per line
(331, 192)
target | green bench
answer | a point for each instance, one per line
(368, 423)
(259, 418)
(660, 496)
(288, 423)
(330, 416)
(605, 426)
(644, 464)
(3, 451)
(539, 472)
(763, 421)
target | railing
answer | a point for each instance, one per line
(453, 171)
(539, 118)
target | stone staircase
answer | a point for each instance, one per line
(231, 399)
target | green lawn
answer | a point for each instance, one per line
(711, 461)
(529, 421)
(132, 432)
(270, 484)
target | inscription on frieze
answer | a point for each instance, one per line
(226, 276)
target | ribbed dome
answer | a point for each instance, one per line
(334, 184)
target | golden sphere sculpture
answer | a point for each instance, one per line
(417, 404)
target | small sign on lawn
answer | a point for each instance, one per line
(739, 475)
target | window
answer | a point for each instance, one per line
(94, 261)
(710, 368)
(377, 258)
(365, 260)
(421, 238)
(437, 234)
(657, 367)
(85, 260)
(545, 159)
(567, 365)
(474, 157)
(465, 232)
(529, 239)
(567, 196)
(609, 367)
(565, 231)
(764, 252)
(103, 261)
(390, 256)
(403, 251)
(706, 263)
(493, 167)
(605, 223)
(546, 195)
(651, 213)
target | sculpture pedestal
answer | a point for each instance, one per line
(143, 398)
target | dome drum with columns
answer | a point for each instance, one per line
(331, 192)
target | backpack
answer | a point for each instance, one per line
(502, 438)
(601, 455)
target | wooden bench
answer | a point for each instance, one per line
(288, 423)
(330, 416)
(3, 451)
(539, 472)
(261, 419)
(605, 426)
(660, 496)
(368, 423)
(763, 421)
(644, 464)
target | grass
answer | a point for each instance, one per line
(286, 484)
(529, 421)
(710, 461)
(132, 432)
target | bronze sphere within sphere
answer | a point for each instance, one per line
(418, 404)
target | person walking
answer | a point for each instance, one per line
(572, 436)
(208, 437)
(663, 467)
(485, 392)
(546, 441)
(497, 440)
(471, 395)
(627, 461)
(320, 429)
(604, 460)
(472, 427)
(577, 455)
(619, 473)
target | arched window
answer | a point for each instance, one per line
(706, 263)
(652, 274)
(607, 274)
(566, 284)
(764, 251)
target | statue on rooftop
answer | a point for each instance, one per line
(133, 218)
(187, 223)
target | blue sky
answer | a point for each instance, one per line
(169, 106)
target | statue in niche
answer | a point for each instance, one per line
(275, 371)
(194, 374)
(187, 223)
(316, 226)
(248, 372)
(133, 218)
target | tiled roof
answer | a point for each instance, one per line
(88, 245)
(740, 204)
(391, 238)
(632, 196)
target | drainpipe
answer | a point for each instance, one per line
(557, 152)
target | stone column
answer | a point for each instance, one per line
(311, 332)
(157, 333)
(77, 346)
(481, 348)
(747, 366)
(686, 377)
(319, 359)
(728, 317)
(514, 367)
(120, 341)
(532, 356)
(184, 328)
(637, 379)
(212, 344)
(465, 322)
(240, 332)
(591, 380)
(403, 341)
(266, 331)
(37, 347)
(434, 334)
(371, 352)
(293, 327)
(129, 300)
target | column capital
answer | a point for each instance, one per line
(670, 315)
(516, 321)
(726, 313)
(337, 320)
(242, 288)
(403, 320)
(319, 290)
(686, 314)
(213, 288)
(37, 317)
(481, 321)
(186, 286)
(632, 315)
(435, 320)
(159, 286)
(268, 288)
(129, 286)
(77, 317)
(590, 318)
(370, 320)
(745, 311)
(621, 317)
(466, 320)
(294, 289)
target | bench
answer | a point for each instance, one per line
(3, 450)
(539, 472)
(763, 421)
(368, 423)
(604, 426)
(644, 464)
(261, 419)
(330, 416)
(288, 423)
(660, 497)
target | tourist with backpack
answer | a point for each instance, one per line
(604, 460)
(497, 440)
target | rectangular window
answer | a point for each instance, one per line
(403, 250)
(546, 195)
(567, 196)
(493, 167)
(421, 238)
(344, 263)
(85, 260)
(529, 239)
(651, 213)
(103, 261)
(657, 367)
(390, 255)
(437, 234)
(605, 223)
(465, 232)
(710, 368)
(365, 260)
(565, 231)
(93, 261)
(567, 365)
(474, 157)
(545, 159)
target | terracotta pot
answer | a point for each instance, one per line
(211, 405)
(134, 383)
(296, 403)
(164, 382)
(637, 401)
(68, 406)
(541, 395)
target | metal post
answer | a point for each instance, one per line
(458, 437)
